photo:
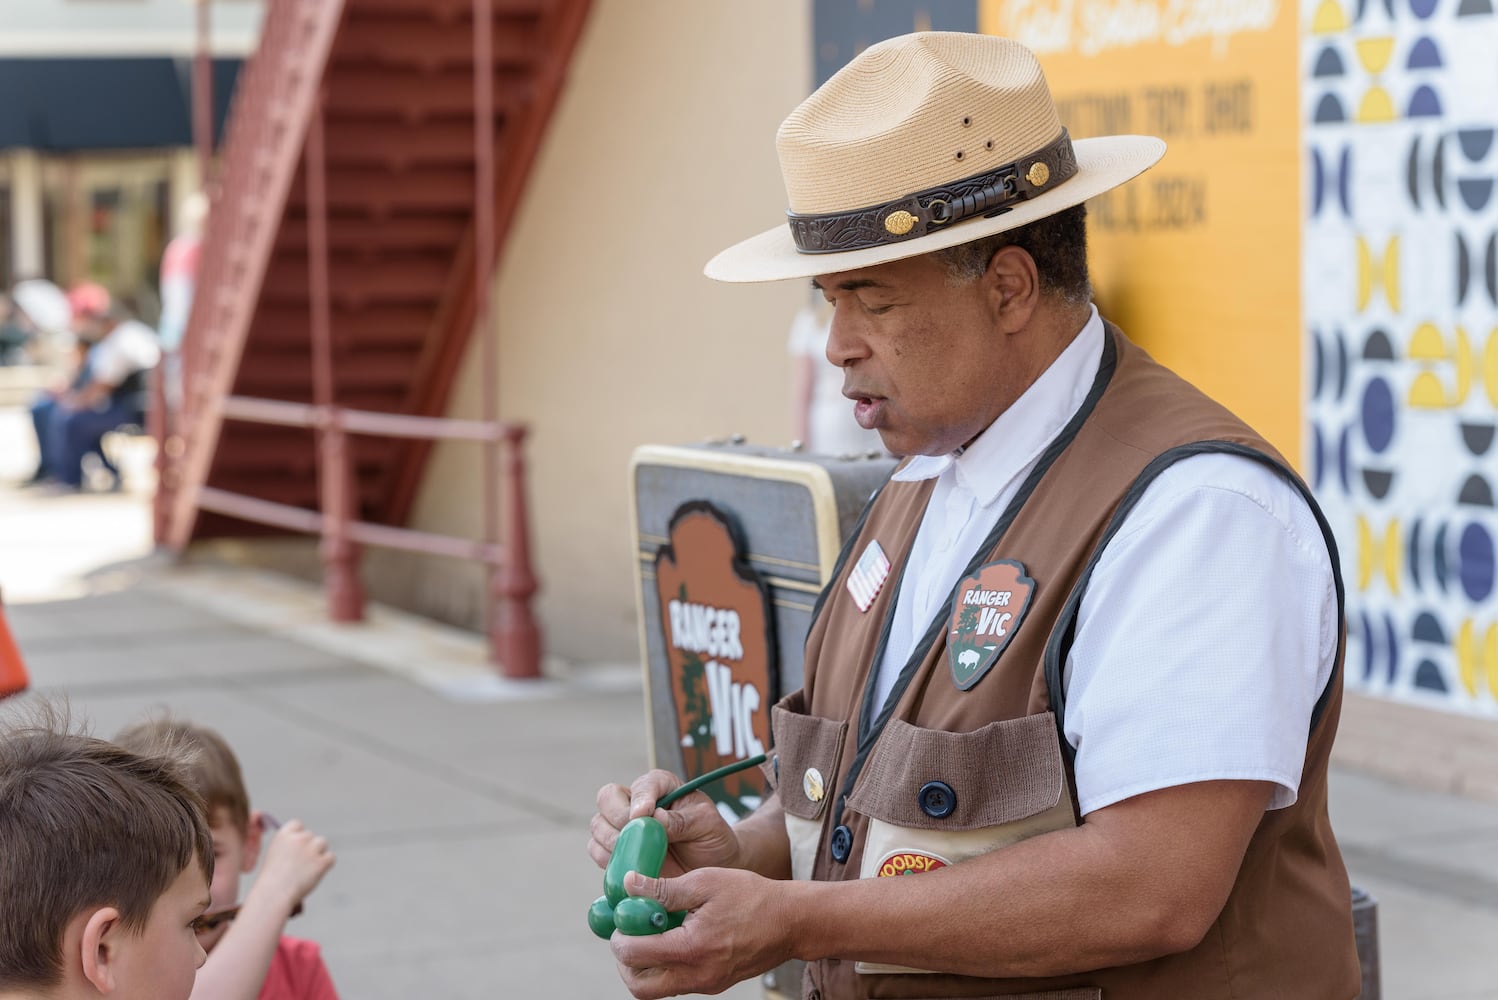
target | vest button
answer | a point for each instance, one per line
(937, 799)
(842, 844)
(775, 766)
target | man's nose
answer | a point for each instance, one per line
(844, 344)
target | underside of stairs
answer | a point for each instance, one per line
(398, 97)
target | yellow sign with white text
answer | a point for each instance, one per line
(1199, 259)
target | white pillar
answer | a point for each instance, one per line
(27, 249)
(183, 182)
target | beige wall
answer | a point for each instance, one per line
(661, 153)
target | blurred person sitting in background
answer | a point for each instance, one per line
(84, 301)
(110, 391)
(248, 956)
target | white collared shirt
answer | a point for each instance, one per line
(1208, 629)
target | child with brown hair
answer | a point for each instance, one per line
(248, 956)
(105, 863)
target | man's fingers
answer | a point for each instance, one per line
(683, 824)
(604, 833)
(648, 788)
(613, 804)
(672, 893)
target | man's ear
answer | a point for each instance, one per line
(1013, 283)
(100, 947)
(253, 839)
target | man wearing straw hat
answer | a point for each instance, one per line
(1078, 669)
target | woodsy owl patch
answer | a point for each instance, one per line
(990, 605)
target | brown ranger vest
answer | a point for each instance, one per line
(1286, 930)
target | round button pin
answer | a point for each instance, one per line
(842, 844)
(811, 784)
(937, 799)
(775, 766)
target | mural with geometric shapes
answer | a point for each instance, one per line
(1399, 266)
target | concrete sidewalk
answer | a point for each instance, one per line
(459, 808)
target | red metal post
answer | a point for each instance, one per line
(340, 555)
(517, 655)
(338, 490)
(514, 636)
(202, 97)
(159, 427)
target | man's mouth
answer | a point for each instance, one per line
(867, 410)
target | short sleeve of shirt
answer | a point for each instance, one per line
(128, 348)
(297, 973)
(1206, 636)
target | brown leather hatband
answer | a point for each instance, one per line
(990, 193)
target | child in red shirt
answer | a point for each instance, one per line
(248, 956)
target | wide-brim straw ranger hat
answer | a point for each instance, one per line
(920, 143)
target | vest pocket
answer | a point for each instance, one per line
(934, 799)
(807, 751)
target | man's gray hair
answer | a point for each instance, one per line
(1057, 244)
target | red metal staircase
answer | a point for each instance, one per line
(378, 250)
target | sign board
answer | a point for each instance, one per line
(720, 650)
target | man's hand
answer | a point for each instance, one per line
(294, 864)
(696, 833)
(739, 926)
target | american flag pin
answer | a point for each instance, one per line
(868, 576)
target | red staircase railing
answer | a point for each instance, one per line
(273, 104)
(279, 104)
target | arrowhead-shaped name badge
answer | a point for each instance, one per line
(991, 603)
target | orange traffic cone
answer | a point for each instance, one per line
(13, 679)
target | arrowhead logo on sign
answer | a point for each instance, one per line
(990, 605)
(720, 649)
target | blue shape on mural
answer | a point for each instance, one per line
(1329, 63)
(1424, 103)
(1414, 564)
(1392, 632)
(1367, 648)
(1438, 551)
(1475, 142)
(1429, 678)
(1378, 347)
(1422, 8)
(1329, 110)
(1476, 550)
(1378, 482)
(1378, 414)
(1477, 437)
(1424, 55)
(1475, 492)
(1428, 629)
(1476, 192)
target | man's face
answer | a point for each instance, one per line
(162, 962)
(922, 359)
(90, 329)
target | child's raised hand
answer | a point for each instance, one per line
(295, 863)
